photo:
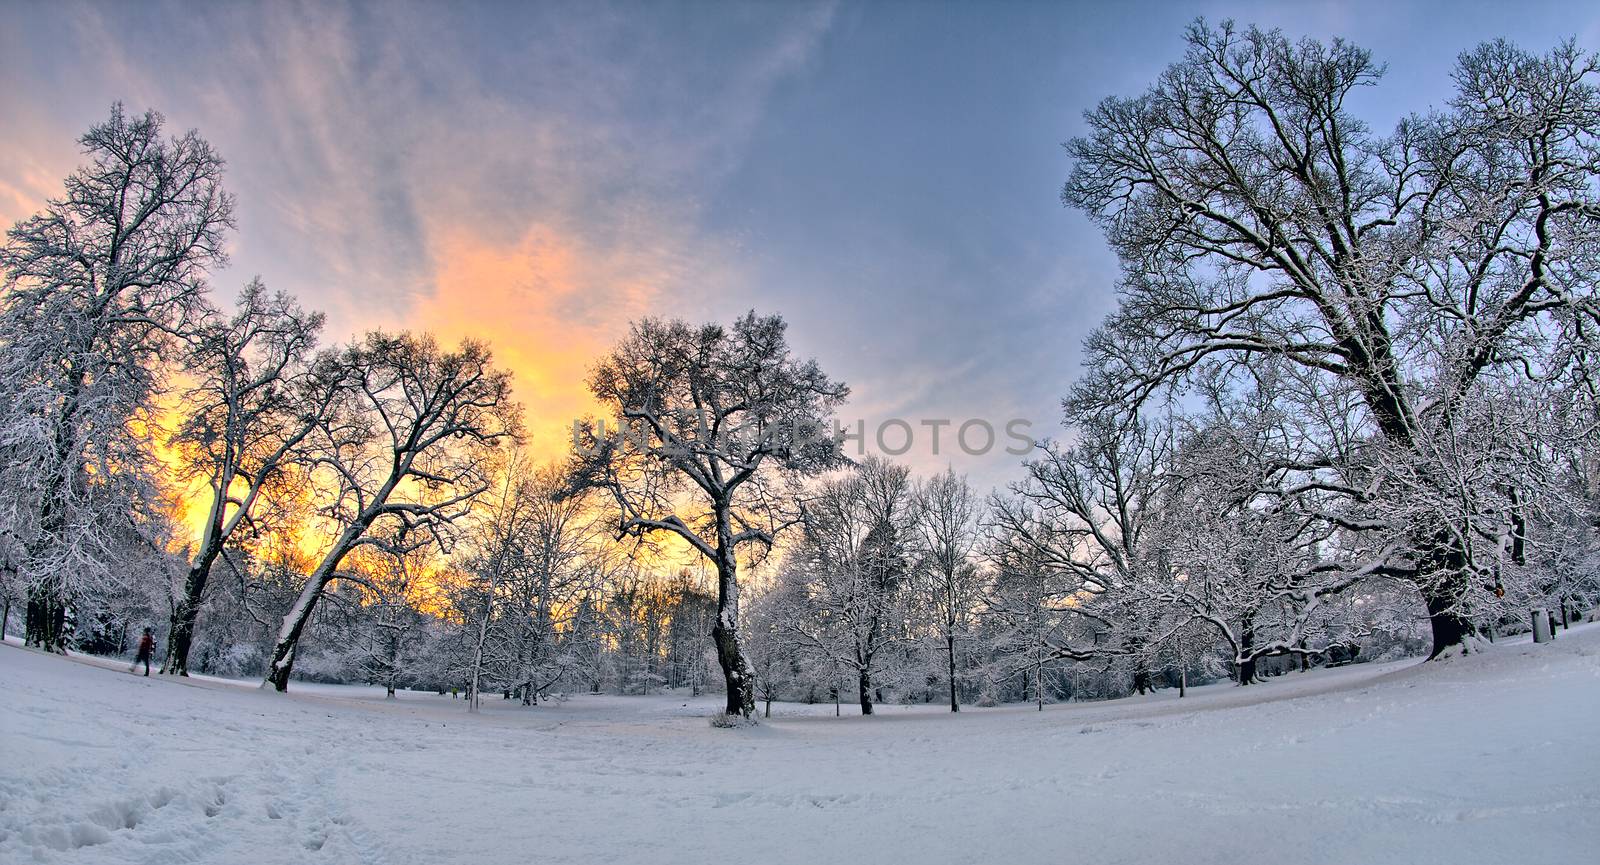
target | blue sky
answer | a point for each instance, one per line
(886, 175)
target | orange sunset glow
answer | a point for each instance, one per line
(533, 303)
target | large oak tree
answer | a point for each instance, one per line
(96, 287)
(709, 421)
(1256, 215)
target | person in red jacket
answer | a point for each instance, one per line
(147, 648)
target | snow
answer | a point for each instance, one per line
(1487, 758)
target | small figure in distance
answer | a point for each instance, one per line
(147, 648)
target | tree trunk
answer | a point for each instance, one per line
(476, 680)
(950, 654)
(622, 665)
(181, 636)
(1247, 641)
(393, 664)
(294, 623)
(725, 633)
(865, 681)
(46, 622)
(528, 670)
(1440, 565)
(1448, 626)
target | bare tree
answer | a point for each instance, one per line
(1221, 518)
(689, 644)
(1240, 544)
(495, 557)
(95, 288)
(1030, 622)
(1080, 515)
(394, 581)
(947, 520)
(409, 448)
(255, 399)
(849, 579)
(556, 540)
(476, 595)
(709, 421)
(1255, 215)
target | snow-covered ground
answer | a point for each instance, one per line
(1491, 758)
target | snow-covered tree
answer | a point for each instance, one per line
(947, 514)
(407, 453)
(254, 399)
(396, 581)
(1510, 480)
(1029, 621)
(772, 649)
(527, 561)
(1221, 517)
(252, 587)
(1256, 216)
(694, 613)
(96, 288)
(636, 605)
(709, 424)
(1078, 522)
(850, 577)
(1241, 543)
(556, 544)
(494, 555)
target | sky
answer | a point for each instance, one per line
(886, 175)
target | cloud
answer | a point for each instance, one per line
(531, 176)
(550, 304)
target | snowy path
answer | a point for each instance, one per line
(1485, 759)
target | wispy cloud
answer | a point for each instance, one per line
(529, 176)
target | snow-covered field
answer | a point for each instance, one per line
(1491, 758)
